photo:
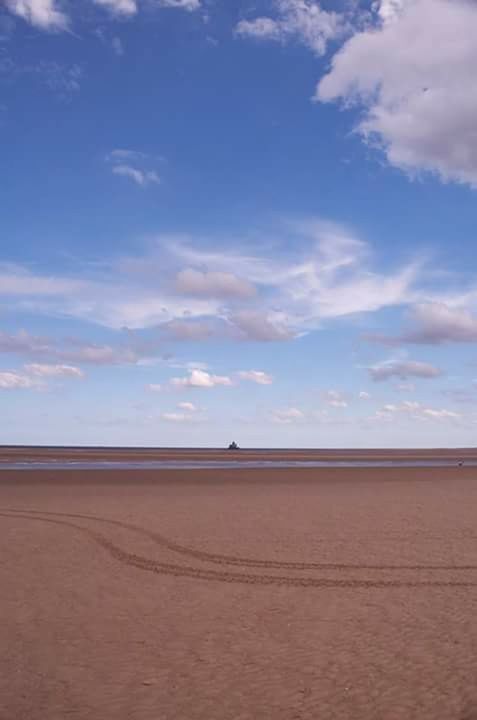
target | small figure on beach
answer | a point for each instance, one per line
(233, 446)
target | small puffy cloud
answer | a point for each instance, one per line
(43, 14)
(415, 85)
(201, 379)
(405, 387)
(287, 416)
(16, 381)
(256, 376)
(187, 406)
(189, 5)
(45, 371)
(133, 165)
(213, 284)
(154, 387)
(335, 399)
(436, 324)
(255, 325)
(140, 177)
(403, 369)
(176, 417)
(416, 411)
(117, 45)
(363, 395)
(302, 21)
(120, 8)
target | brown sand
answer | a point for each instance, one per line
(238, 594)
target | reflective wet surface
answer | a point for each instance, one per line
(226, 464)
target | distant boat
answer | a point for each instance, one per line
(233, 446)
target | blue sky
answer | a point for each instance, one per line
(238, 220)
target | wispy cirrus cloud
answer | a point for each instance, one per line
(309, 274)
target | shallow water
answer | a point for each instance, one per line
(225, 464)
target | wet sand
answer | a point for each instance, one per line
(309, 593)
(42, 454)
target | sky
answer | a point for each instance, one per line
(248, 220)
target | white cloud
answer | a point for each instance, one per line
(363, 395)
(140, 177)
(415, 411)
(117, 46)
(154, 387)
(76, 351)
(187, 407)
(256, 325)
(256, 376)
(16, 280)
(189, 5)
(416, 84)
(311, 271)
(42, 370)
(434, 323)
(177, 417)
(212, 284)
(201, 379)
(335, 399)
(406, 387)
(195, 330)
(287, 416)
(388, 10)
(403, 369)
(437, 323)
(133, 165)
(44, 14)
(121, 8)
(16, 381)
(301, 21)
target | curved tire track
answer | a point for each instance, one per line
(162, 568)
(221, 559)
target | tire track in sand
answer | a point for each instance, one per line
(221, 559)
(162, 568)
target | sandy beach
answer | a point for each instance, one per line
(308, 593)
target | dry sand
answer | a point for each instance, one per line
(239, 594)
